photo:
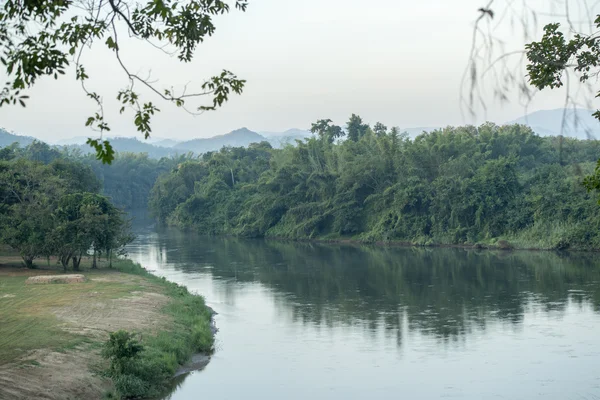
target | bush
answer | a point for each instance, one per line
(144, 368)
(120, 349)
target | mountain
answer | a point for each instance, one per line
(77, 141)
(579, 123)
(132, 145)
(6, 139)
(165, 143)
(280, 139)
(238, 138)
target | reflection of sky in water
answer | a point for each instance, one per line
(301, 321)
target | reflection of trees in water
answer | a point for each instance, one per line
(442, 292)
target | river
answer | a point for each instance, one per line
(315, 321)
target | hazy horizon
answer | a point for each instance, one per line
(397, 62)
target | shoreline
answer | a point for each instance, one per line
(68, 325)
(505, 246)
(407, 244)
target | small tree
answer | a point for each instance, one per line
(122, 347)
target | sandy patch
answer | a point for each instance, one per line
(97, 318)
(52, 375)
(45, 374)
(71, 278)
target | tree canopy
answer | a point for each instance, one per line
(55, 209)
(452, 186)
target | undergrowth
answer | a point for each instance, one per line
(141, 366)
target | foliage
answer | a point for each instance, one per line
(53, 209)
(452, 186)
(28, 191)
(553, 56)
(44, 38)
(127, 181)
(120, 349)
(144, 367)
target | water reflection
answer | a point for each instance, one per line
(444, 293)
(302, 320)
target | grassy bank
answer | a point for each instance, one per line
(150, 372)
(52, 335)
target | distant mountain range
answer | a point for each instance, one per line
(280, 139)
(579, 123)
(7, 138)
(163, 147)
(238, 138)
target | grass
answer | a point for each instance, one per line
(150, 373)
(29, 322)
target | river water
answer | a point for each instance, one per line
(315, 321)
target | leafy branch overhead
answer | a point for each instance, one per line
(551, 59)
(41, 38)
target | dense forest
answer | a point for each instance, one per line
(51, 206)
(487, 185)
(127, 181)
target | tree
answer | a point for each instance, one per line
(380, 129)
(564, 52)
(326, 130)
(86, 221)
(355, 128)
(44, 38)
(29, 192)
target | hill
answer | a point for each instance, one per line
(6, 139)
(238, 138)
(164, 142)
(579, 123)
(280, 139)
(133, 145)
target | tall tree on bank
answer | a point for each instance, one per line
(46, 38)
(28, 193)
(83, 222)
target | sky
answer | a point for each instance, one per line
(395, 61)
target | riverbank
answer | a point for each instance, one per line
(52, 335)
(494, 244)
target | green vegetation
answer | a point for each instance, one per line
(54, 209)
(554, 56)
(466, 185)
(35, 310)
(127, 181)
(144, 368)
(39, 39)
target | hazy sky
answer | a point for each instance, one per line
(395, 61)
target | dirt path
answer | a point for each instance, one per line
(34, 363)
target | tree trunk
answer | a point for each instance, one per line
(28, 260)
(64, 260)
(76, 262)
(94, 265)
(110, 259)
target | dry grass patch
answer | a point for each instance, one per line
(72, 278)
(50, 334)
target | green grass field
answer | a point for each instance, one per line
(61, 317)
(27, 311)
